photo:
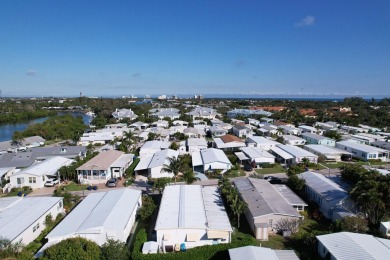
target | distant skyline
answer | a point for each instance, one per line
(252, 48)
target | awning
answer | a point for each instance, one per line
(282, 153)
(143, 164)
(192, 237)
(215, 234)
(196, 159)
(241, 156)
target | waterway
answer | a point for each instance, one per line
(8, 129)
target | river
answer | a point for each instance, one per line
(8, 129)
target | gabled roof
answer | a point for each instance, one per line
(362, 147)
(101, 210)
(102, 161)
(48, 167)
(347, 245)
(328, 189)
(296, 151)
(256, 152)
(212, 155)
(262, 198)
(315, 137)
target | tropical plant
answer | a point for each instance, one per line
(73, 248)
(114, 250)
(148, 207)
(238, 206)
(174, 166)
(189, 177)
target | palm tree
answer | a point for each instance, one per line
(238, 207)
(189, 177)
(305, 161)
(174, 166)
(17, 138)
(279, 131)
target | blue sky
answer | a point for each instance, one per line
(103, 48)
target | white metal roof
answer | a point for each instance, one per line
(256, 152)
(262, 198)
(143, 163)
(101, 210)
(328, 189)
(211, 155)
(261, 140)
(196, 159)
(196, 142)
(285, 155)
(123, 160)
(17, 214)
(155, 144)
(192, 206)
(292, 138)
(326, 150)
(288, 195)
(362, 147)
(347, 245)
(162, 157)
(315, 137)
(296, 151)
(241, 156)
(48, 167)
(261, 253)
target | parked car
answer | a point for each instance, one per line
(248, 167)
(112, 182)
(51, 182)
(275, 180)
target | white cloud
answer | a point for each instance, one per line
(307, 21)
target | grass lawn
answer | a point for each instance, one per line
(274, 242)
(73, 187)
(235, 173)
(276, 169)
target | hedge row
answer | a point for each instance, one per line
(203, 252)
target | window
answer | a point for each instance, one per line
(43, 178)
(19, 180)
(36, 227)
(270, 222)
(32, 180)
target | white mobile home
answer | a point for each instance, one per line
(22, 219)
(104, 166)
(328, 195)
(255, 156)
(262, 142)
(210, 160)
(331, 154)
(192, 215)
(354, 246)
(363, 152)
(293, 140)
(151, 147)
(318, 139)
(36, 175)
(298, 154)
(266, 206)
(99, 217)
(154, 165)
